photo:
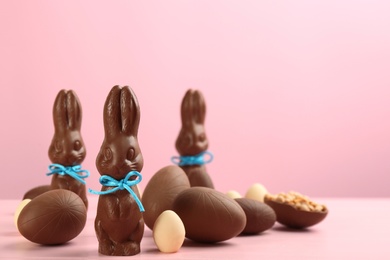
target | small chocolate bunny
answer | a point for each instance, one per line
(67, 150)
(119, 223)
(192, 142)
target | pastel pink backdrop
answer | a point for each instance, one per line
(297, 92)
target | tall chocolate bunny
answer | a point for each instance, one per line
(67, 149)
(119, 223)
(192, 142)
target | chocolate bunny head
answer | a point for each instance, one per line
(67, 146)
(120, 152)
(192, 138)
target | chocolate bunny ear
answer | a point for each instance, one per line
(193, 108)
(67, 111)
(121, 112)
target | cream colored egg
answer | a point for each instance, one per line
(256, 192)
(19, 209)
(168, 232)
(140, 191)
(233, 194)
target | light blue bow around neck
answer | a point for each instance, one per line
(187, 160)
(122, 184)
(73, 171)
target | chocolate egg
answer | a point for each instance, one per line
(259, 216)
(295, 210)
(294, 218)
(209, 215)
(168, 232)
(36, 191)
(161, 190)
(256, 192)
(52, 218)
(233, 194)
(19, 209)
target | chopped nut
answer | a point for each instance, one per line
(297, 200)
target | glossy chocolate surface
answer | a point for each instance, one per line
(291, 217)
(208, 215)
(192, 138)
(161, 191)
(67, 146)
(52, 218)
(119, 224)
(259, 216)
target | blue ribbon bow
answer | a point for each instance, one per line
(125, 183)
(192, 159)
(73, 171)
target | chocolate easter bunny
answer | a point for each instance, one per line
(119, 224)
(67, 149)
(192, 142)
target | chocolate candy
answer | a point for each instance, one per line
(192, 139)
(233, 194)
(19, 209)
(295, 210)
(209, 215)
(168, 232)
(161, 191)
(256, 192)
(54, 217)
(119, 224)
(259, 216)
(67, 146)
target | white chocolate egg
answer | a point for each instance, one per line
(168, 232)
(140, 191)
(256, 192)
(19, 209)
(233, 194)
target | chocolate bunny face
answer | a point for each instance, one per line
(67, 146)
(120, 152)
(192, 138)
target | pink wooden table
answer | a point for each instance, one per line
(354, 229)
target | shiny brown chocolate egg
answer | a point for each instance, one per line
(208, 215)
(52, 218)
(161, 190)
(259, 216)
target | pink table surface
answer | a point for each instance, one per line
(354, 229)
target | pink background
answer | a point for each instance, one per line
(297, 92)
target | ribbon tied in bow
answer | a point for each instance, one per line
(187, 160)
(123, 184)
(74, 171)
